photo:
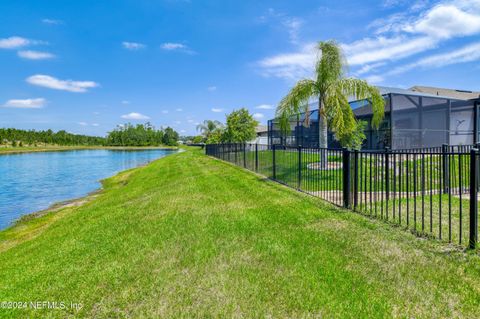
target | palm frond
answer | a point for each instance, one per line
(338, 111)
(330, 65)
(209, 126)
(360, 90)
(296, 101)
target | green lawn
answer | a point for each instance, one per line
(440, 216)
(191, 236)
(406, 173)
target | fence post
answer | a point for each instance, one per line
(256, 157)
(355, 180)
(273, 160)
(445, 170)
(299, 184)
(477, 146)
(245, 155)
(346, 178)
(472, 243)
(387, 178)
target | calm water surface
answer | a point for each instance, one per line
(33, 181)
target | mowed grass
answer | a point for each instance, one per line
(439, 216)
(191, 236)
(407, 172)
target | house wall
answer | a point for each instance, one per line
(411, 121)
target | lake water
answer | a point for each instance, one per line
(33, 181)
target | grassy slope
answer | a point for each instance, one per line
(193, 236)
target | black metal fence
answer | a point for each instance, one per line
(433, 192)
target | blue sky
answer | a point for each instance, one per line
(86, 66)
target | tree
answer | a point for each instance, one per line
(209, 127)
(170, 137)
(240, 127)
(216, 137)
(197, 139)
(32, 137)
(332, 90)
(141, 135)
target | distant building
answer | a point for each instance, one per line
(413, 119)
(457, 94)
(262, 134)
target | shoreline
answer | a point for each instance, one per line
(24, 220)
(55, 207)
(19, 150)
(30, 225)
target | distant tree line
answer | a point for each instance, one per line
(123, 135)
(17, 137)
(141, 135)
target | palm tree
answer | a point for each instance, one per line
(332, 90)
(208, 127)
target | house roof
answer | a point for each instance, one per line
(391, 90)
(458, 94)
(362, 108)
(261, 129)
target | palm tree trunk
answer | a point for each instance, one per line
(323, 134)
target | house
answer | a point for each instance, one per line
(414, 118)
(262, 134)
(458, 94)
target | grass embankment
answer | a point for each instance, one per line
(191, 236)
(53, 148)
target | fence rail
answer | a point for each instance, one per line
(433, 192)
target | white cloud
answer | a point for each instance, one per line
(125, 102)
(52, 21)
(26, 104)
(366, 68)
(212, 88)
(179, 110)
(177, 122)
(35, 55)
(465, 54)
(14, 43)
(447, 21)
(293, 26)
(190, 121)
(217, 110)
(96, 113)
(95, 124)
(183, 131)
(165, 111)
(258, 116)
(265, 107)
(371, 50)
(171, 46)
(374, 79)
(65, 85)
(417, 5)
(416, 29)
(83, 123)
(133, 45)
(290, 65)
(135, 116)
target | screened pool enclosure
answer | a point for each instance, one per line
(412, 120)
